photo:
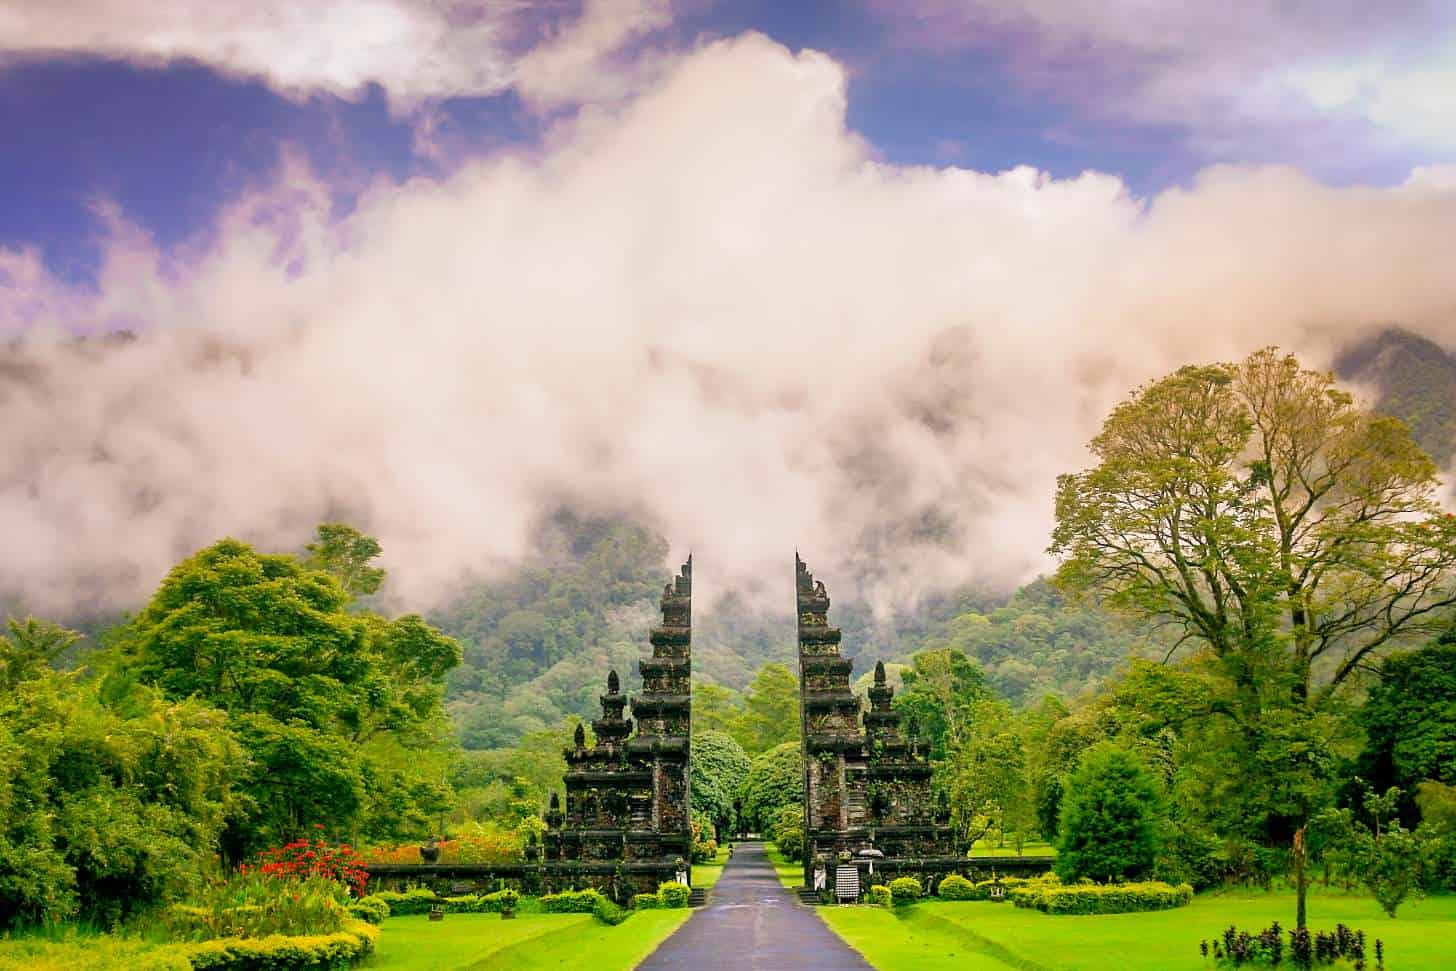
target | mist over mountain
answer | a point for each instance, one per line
(1414, 379)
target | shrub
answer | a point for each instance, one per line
(248, 905)
(415, 900)
(880, 894)
(1119, 898)
(571, 902)
(904, 891)
(316, 858)
(673, 895)
(956, 887)
(609, 913)
(369, 909)
(502, 901)
(279, 952)
(787, 831)
(1109, 817)
(1234, 948)
(645, 901)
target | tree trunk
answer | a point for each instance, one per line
(1301, 877)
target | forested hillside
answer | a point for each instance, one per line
(1416, 381)
(538, 642)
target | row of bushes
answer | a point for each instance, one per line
(419, 900)
(957, 887)
(1117, 898)
(585, 902)
(280, 952)
(669, 895)
(900, 892)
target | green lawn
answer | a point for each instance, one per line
(707, 874)
(791, 875)
(941, 935)
(477, 942)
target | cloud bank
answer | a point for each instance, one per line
(710, 306)
(416, 50)
(1335, 76)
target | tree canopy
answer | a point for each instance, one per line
(1258, 509)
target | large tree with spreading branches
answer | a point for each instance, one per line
(1261, 510)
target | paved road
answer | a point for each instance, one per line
(752, 922)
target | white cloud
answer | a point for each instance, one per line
(1231, 74)
(710, 305)
(417, 50)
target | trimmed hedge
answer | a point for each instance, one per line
(1117, 898)
(571, 902)
(490, 903)
(956, 887)
(645, 901)
(416, 900)
(371, 910)
(609, 913)
(673, 894)
(904, 891)
(321, 952)
(880, 894)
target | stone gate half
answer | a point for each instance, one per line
(627, 822)
(866, 783)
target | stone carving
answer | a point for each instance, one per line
(627, 820)
(866, 785)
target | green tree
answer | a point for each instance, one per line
(720, 767)
(31, 647)
(1409, 719)
(344, 553)
(716, 708)
(941, 691)
(110, 803)
(1110, 818)
(770, 711)
(324, 700)
(985, 775)
(787, 831)
(1258, 509)
(775, 780)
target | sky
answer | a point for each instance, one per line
(858, 276)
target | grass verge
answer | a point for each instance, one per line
(477, 942)
(790, 874)
(938, 935)
(707, 874)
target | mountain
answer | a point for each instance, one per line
(1415, 380)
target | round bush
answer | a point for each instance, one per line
(371, 909)
(904, 890)
(956, 887)
(645, 901)
(673, 895)
(880, 894)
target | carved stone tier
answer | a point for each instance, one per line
(864, 781)
(627, 816)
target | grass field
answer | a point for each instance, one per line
(478, 942)
(938, 936)
(707, 874)
(791, 875)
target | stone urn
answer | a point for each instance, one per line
(430, 851)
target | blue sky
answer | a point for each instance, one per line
(90, 112)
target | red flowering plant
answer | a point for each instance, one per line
(304, 858)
